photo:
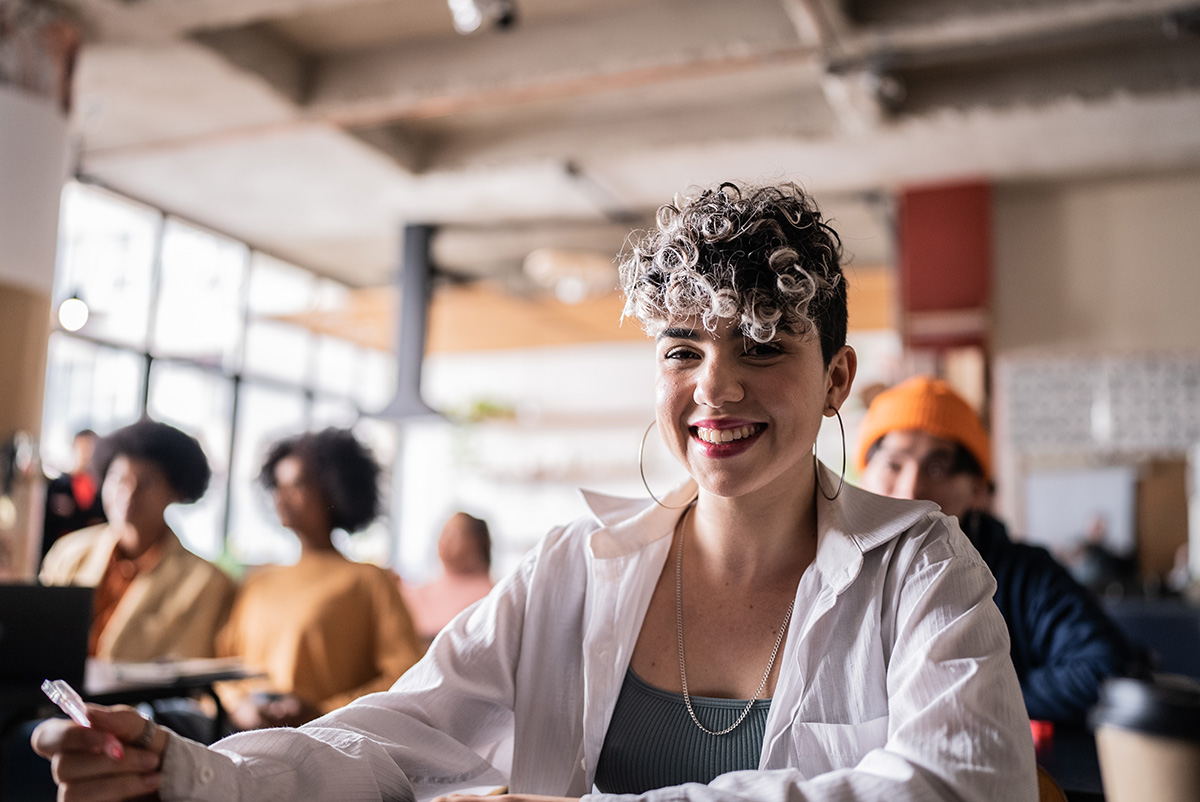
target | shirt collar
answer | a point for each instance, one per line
(854, 523)
(849, 526)
(149, 559)
(630, 524)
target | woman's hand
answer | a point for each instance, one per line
(83, 767)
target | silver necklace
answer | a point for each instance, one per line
(687, 699)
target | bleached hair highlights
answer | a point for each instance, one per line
(759, 255)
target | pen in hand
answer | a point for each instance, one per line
(71, 703)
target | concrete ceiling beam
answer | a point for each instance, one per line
(650, 43)
(854, 94)
(258, 50)
(158, 20)
(972, 29)
(460, 76)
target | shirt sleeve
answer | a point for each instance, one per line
(342, 767)
(437, 730)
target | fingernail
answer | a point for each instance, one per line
(113, 748)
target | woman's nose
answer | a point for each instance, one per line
(718, 384)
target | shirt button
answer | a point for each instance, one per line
(206, 775)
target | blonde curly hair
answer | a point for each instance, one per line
(759, 255)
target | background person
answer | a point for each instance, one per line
(846, 644)
(1096, 566)
(921, 440)
(73, 498)
(154, 598)
(325, 630)
(465, 552)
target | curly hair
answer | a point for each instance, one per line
(759, 255)
(177, 454)
(343, 468)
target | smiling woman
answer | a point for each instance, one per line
(763, 632)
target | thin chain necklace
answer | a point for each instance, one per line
(687, 699)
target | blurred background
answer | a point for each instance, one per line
(252, 217)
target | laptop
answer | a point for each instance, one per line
(43, 635)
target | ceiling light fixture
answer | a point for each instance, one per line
(473, 15)
(73, 313)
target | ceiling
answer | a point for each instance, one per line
(316, 129)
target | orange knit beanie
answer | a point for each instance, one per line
(927, 405)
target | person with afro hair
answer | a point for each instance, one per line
(154, 598)
(325, 630)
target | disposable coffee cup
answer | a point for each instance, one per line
(1148, 739)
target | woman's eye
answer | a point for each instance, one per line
(763, 350)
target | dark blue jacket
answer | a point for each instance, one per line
(1063, 644)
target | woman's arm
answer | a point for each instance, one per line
(435, 729)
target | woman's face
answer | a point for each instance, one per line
(136, 493)
(298, 501)
(742, 415)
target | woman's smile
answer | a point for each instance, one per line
(717, 438)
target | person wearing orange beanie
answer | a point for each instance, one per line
(922, 440)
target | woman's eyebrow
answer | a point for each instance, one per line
(678, 334)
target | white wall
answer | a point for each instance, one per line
(1090, 268)
(1098, 265)
(33, 136)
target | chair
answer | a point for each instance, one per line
(1048, 789)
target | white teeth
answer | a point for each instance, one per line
(725, 435)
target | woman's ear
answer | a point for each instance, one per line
(839, 377)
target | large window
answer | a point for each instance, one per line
(200, 331)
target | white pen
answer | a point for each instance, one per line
(71, 703)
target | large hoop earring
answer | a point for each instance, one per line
(642, 471)
(817, 464)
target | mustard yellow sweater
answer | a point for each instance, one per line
(325, 629)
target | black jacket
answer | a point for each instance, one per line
(1063, 644)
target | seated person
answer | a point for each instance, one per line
(761, 632)
(73, 498)
(465, 552)
(325, 630)
(921, 440)
(154, 598)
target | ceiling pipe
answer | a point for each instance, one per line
(414, 283)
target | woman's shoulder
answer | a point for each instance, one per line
(80, 541)
(902, 526)
(213, 575)
(361, 579)
(374, 574)
(71, 551)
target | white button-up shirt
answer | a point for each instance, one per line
(895, 681)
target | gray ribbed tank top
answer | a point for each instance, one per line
(652, 742)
